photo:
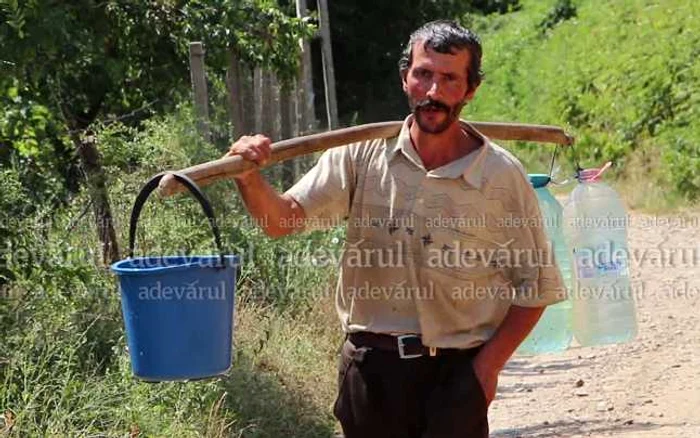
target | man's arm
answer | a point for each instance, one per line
(492, 357)
(277, 214)
(536, 281)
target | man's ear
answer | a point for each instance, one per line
(470, 94)
(404, 84)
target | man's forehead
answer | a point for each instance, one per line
(421, 50)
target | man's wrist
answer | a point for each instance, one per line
(489, 359)
(246, 179)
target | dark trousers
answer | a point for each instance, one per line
(381, 395)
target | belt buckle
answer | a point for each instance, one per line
(401, 345)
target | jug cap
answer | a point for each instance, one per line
(589, 175)
(593, 174)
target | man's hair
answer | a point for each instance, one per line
(446, 36)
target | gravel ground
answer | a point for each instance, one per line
(646, 388)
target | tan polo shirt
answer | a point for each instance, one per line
(443, 253)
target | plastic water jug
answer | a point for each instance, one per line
(553, 331)
(595, 226)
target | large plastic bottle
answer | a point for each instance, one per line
(595, 226)
(553, 331)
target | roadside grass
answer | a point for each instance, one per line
(64, 368)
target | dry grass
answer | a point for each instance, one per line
(639, 184)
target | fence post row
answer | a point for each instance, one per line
(258, 104)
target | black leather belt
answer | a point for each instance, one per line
(408, 346)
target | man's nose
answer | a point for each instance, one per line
(434, 89)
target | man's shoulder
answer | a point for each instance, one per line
(504, 178)
(503, 160)
(501, 166)
(365, 151)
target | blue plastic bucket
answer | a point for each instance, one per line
(178, 310)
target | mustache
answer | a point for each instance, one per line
(431, 104)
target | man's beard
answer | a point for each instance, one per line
(452, 114)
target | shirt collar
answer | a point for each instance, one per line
(470, 166)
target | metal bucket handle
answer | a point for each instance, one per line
(150, 186)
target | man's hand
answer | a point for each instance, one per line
(493, 356)
(487, 375)
(273, 211)
(252, 148)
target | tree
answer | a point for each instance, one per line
(83, 61)
(366, 51)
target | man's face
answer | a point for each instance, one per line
(436, 85)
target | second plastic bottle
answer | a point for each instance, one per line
(553, 331)
(595, 225)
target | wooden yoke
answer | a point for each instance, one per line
(225, 168)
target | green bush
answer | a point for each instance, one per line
(33, 143)
(14, 204)
(64, 369)
(563, 10)
(620, 76)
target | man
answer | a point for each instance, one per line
(435, 293)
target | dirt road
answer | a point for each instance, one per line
(646, 388)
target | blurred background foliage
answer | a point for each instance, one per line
(622, 76)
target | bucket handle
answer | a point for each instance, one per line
(150, 186)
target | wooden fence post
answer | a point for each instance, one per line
(199, 87)
(286, 131)
(294, 114)
(247, 99)
(328, 72)
(275, 107)
(235, 98)
(267, 105)
(258, 98)
(99, 196)
(305, 89)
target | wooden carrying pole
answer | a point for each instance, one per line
(207, 173)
